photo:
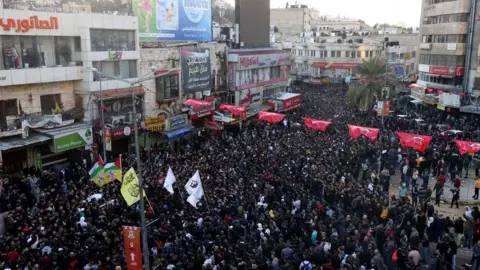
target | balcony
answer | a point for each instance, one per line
(10, 77)
(425, 46)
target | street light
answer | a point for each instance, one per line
(132, 84)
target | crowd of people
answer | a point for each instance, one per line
(276, 197)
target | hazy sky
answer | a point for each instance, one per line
(371, 11)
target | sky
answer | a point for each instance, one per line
(406, 12)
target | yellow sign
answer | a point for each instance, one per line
(130, 187)
(154, 123)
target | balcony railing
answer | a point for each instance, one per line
(40, 75)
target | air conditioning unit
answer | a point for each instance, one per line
(118, 120)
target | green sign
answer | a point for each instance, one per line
(72, 139)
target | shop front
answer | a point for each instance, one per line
(285, 102)
(448, 102)
(17, 154)
(68, 144)
(177, 127)
(122, 138)
(199, 109)
(336, 71)
(153, 128)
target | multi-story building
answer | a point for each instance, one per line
(293, 20)
(333, 57)
(444, 51)
(338, 24)
(45, 70)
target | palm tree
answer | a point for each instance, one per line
(372, 75)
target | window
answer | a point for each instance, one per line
(275, 72)
(414, 54)
(347, 54)
(442, 60)
(112, 40)
(170, 87)
(359, 54)
(332, 54)
(444, 38)
(12, 109)
(122, 69)
(353, 54)
(446, 18)
(63, 51)
(312, 53)
(78, 44)
(339, 53)
(325, 54)
(433, 2)
(50, 103)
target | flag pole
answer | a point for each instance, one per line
(206, 201)
(149, 203)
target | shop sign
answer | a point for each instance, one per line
(459, 71)
(154, 123)
(176, 122)
(334, 65)
(450, 100)
(264, 60)
(24, 25)
(133, 252)
(72, 139)
(418, 93)
(120, 109)
(115, 55)
(249, 96)
(124, 132)
(439, 70)
(383, 108)
(292, 103)
(430, 99)
(108, 139)
(201, 111)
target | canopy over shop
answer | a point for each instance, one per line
(200, 108)
(284, 102)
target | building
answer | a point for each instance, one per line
(338, 24)
(46, 77)
(256, 76)
(293, 20)
(333, 57)
(253, 20)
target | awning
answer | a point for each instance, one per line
(179, 132)
(14, 142)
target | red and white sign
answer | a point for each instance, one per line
(124, 131)
(334, 65)
(201, 108)
(439, 70)
(459, 71)
(264, 60)
(292, 103)
(133, 252)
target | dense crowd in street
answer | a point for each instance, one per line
(276, 197)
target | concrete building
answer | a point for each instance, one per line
(253, 19)
(44, 71)
(333, 57)
(337, 24)
(294, 20)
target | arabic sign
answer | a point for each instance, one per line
(124, 132)
(196, 70)
(202, 111)
(174, 19)
(133, 252)
(176, 122)
(264, 60)
(334, 65)
(114, 108)
(24, 25)
(72, 139)
(439, 70)
(154, 123)
(292, 103)
(250, 96)
(123, 7)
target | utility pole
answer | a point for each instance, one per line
(102, 112)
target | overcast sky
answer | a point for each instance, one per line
(406, 12)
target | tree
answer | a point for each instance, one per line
(372, 75)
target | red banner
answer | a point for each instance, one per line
(467, 147)
(292, 103)
(415, 141)
(235, 110)
(318, 125)
(357, 131)
(270, 117)
(133, 252)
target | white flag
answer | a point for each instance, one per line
(168, 184)
(194, 188)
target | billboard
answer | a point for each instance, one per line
(189, 20)
(196, 70)
(120, 7)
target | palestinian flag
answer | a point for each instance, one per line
(113, 171)
(97, 173)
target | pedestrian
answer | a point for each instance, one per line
(475, 261)
(477, 188)
(455, 197)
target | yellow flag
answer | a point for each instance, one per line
(130, 190)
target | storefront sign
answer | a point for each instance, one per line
(108, 139)
(154, 123)
(334, 65)
(72, 139)
(176, 122)
(430, 99)
(197, 112)
(418, 93)
(450, 100)
(115, 55)
(124, 132)
(264, 60)
(292, 103)
(272, 81)
(24, 25)
(459, 71)
(231, 76)
(439, 70)
(133, 252)
(118, 111)
(250, 96)
(196, 70)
